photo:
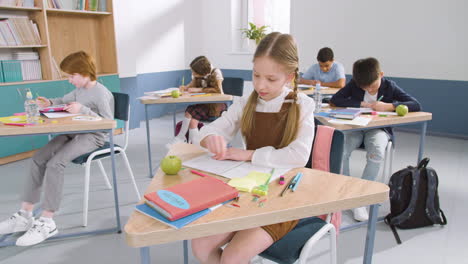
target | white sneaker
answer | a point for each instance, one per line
(175, 140)
(16, 223)
(40, 231)
(360, 214)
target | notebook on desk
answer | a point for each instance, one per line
(190, 197)
(345, 113)
(229, 168)
(53, 108)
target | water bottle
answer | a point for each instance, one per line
(317, 98)
(32, 109)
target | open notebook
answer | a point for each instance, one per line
(229, 168)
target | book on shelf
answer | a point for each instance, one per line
(190, 197)
(179, 223)
(56, 73)
(345, 113)
(18, 31)
(17, 3)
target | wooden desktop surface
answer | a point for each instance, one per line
(318, 193)
(65, 124)
(378, 121)
(322, 91)
(185, 98)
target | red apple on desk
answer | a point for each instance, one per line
(401, 110)
(171, 165)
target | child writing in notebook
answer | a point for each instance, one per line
(46, 174)
(327, 72)
(205, 79)
(277, 125)
(370, 89)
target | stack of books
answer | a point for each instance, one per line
(183, 203)
(18, 31)
(18, 3)
(85, 5)
(20, 66)
(344, 113)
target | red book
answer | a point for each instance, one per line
(190, 197)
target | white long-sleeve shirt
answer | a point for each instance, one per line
(296, 154)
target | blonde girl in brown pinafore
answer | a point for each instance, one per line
(277, 126)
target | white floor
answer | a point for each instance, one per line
(434, 245)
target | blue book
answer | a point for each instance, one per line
(179, 223)
(345, 113)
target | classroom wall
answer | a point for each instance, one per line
(419, 43)
(150, 40)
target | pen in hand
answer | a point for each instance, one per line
(380, 98)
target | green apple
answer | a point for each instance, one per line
(171, 165)
(175, 94)
(401, 110)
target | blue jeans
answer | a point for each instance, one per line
(375, 142)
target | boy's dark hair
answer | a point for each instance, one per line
(325, 54)
(366, 71)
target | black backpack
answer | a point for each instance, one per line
(414, 201)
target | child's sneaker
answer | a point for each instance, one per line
(360, 214)
(41, 229)
(16, 223)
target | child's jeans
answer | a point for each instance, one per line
(48, 165)
(375, 142)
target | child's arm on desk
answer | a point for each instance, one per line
(217, 145)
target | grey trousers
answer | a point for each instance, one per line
(48, 165)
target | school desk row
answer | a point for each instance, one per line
(420, 118)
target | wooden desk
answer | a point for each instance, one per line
(68, 126)
(318, 193)
(389, 121)
(326, 91)
(184, 99)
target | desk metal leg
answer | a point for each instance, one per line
(174, 118)
(185, 252)
(114, 178)
(422, 139)
(148, 142)
(370, 237)
(145, 255)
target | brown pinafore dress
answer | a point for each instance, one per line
(269, 130)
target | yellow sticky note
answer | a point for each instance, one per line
(259, 177)
(243, 184)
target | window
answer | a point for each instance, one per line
(273, 13)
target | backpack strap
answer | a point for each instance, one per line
(387, 220)
(431, 211)
(415, 178)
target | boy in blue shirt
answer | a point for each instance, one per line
(370, 89)
(326, 72)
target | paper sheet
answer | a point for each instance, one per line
(358, 121)
(58, 114)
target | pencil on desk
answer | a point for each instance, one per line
(199, 95)
(287, 186)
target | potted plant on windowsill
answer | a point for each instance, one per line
(254, 33)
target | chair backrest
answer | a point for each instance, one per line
(336, 152)
(121, 106)
(122, 112)
(233, 86)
